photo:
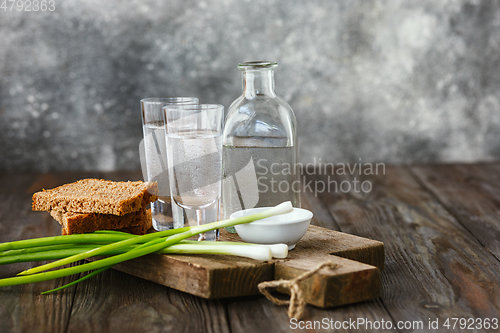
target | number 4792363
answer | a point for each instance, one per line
(28, 5)
(471, 323)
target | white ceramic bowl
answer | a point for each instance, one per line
(285, 228)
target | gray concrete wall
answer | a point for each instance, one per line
(392, 81)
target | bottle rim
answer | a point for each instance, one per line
(257, 65)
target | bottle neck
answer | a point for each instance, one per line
(258, 82)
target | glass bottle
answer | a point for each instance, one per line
(259, 145)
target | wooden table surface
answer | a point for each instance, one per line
(440, 225)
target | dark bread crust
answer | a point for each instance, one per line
(97, 196)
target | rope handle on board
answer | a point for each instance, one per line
(297, 300)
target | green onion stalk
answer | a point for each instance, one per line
(122, 247)
(55, 252)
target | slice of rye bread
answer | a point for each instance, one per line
(97, 196)
(136, 230)
(136, 222)
(79, 223)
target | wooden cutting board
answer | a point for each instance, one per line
(357, 277)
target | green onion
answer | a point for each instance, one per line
(101, 250)
(279, 251)
(97, 271)
(154, 243)
(116, 232)
(67, 239)
(45, 255)
(150, 243)
(257, 252)
(38, 249)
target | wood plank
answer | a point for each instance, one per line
(472, 194)
(256, 314)
(118, 302)
(260, 315)
(322, 217)
(434, 267)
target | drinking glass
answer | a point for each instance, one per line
(194, 146)
(155, 155)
